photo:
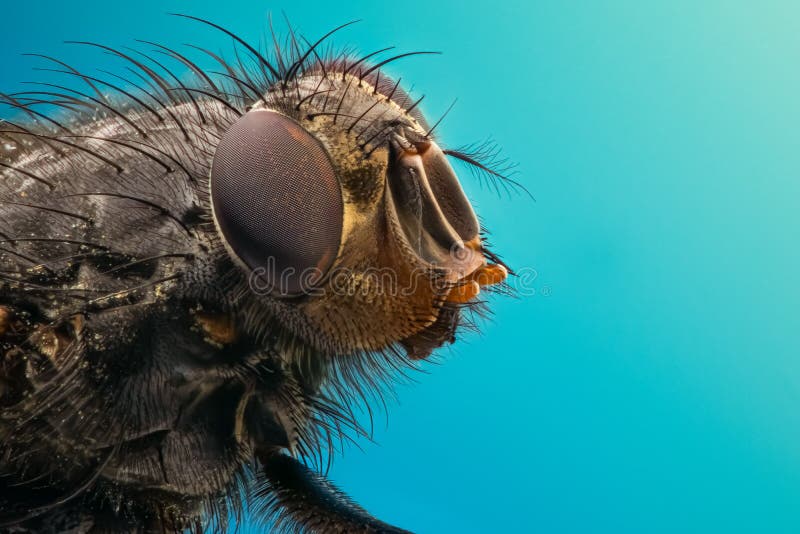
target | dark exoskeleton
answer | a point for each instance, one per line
(202, 279)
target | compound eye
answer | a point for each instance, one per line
(277, 201)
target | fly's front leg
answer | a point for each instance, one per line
(301, 500)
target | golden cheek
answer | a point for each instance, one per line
(375, 296)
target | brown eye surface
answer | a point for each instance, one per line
(277, 201)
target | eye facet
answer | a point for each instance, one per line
(277, 201)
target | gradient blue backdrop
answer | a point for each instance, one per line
(652, 383)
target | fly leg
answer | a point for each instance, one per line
(296, 495)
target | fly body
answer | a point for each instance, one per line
(205, 271)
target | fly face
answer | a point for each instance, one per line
(200, 279)
(336, 201)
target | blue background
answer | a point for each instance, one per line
(652, 383)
